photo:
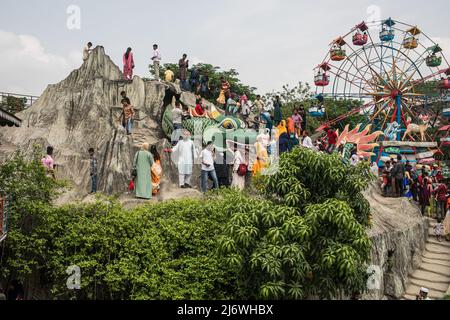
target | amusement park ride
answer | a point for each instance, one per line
(389, 66)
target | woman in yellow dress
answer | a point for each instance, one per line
(156, 170)
(262, 157)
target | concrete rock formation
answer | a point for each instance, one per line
(83, 111)
(398, 235)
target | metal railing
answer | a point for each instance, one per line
(28, 99)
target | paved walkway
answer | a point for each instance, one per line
(434, 272)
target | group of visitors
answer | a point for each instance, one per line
(424, 184)
(215, 165)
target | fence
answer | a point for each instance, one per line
(28, 99)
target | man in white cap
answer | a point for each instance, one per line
(423, 294)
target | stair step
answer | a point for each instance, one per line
(438, 256)
(438, 286)
(442, 270)
(434, 240)
(429, 276)
(445, 263)
(437, 248)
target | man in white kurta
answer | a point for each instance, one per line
(186, 155)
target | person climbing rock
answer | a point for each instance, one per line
(177, 114)
(231, 106)
(204, 84)
(128, 114)
(184, 65)
(169, 75)
(93, 170)
(49, 163)
(277, 115)
(156, 61)
(142, 164)
(224, 92)
(194, 81)
(87, 50)
(128, 64)
(259, 104)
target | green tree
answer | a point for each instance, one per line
(13, 104)
(307, 239)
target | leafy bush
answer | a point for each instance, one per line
(303, 236)
(160, 251)
(306, 239)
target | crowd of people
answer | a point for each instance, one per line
(423, 184)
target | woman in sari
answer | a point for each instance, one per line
(262, 157)
(128, 64)
(156, 170)
(143, 162)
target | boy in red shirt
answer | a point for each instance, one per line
(332, 140)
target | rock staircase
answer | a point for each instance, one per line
(434, 272)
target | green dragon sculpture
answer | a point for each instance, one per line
(222, 130)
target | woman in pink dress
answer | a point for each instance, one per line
(128, 64)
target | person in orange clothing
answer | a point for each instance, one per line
(156, 170)
(290, 126)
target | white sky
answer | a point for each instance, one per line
(269, 42)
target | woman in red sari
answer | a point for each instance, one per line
(128, 64)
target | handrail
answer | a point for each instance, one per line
(30, 99)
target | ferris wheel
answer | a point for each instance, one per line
(386, 65)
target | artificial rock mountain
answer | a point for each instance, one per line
(83, 111)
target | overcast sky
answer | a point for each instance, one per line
(269, 42)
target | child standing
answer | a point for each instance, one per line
(439, 229)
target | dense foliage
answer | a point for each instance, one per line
(302, 236)
(13, 104)
(308, 239)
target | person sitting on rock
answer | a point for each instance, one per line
(128, 114)
(199, 110)
(86, 51)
